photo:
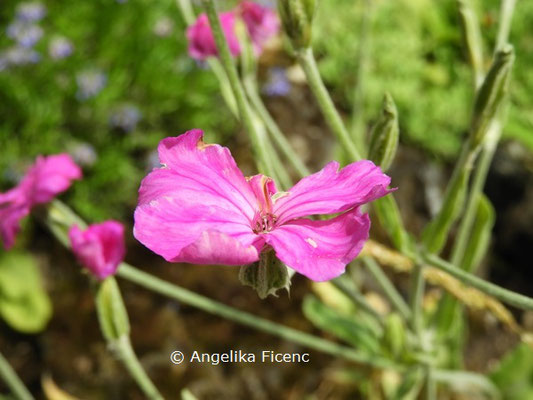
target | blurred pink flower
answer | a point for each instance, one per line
(261, 22)
(199, 208)
(48, 177)
(201, 41)
(100, 248)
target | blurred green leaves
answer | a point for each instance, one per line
(40, 113)
(24, 304)
(417, 54)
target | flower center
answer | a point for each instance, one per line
(264, 222)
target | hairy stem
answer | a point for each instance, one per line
(334, 120)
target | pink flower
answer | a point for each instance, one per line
(261, 22)
(199, 208)
(100, 248)
(48, 177)
(201, 41)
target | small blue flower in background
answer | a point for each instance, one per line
(17, 55)
(90, 83)
(30, 11)
(60, 47)
(277, 83)
(83, 154)
(24, 33)
(126, 118)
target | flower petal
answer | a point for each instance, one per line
(320, 250)
(50, 176)
(201, 41)
(331, 191)
(209, 168)
(214, 247)
(13, 207)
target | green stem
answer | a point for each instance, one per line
(436, 233)
(507, 296)
(357, 298)
(211, 306)
(506, 16)
(416, 297)
(125, 352)
(272, 127)
(334, 120)
(388, 288)
(13, 382)
(256, 132)
(431, 384)
(358, 128)
(478, 182)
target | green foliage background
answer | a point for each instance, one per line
(40, 114)
(417, 54)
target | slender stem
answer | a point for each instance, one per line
(388, 288)
(272, 127)
(13, 382)
(358, 128)
(448, 306)
(125, 351)
(431, 384)
(211, 306)
(334, 120)
(507, 296)
(358, 299)
(506, 16)
(257, 133)
(416, 297)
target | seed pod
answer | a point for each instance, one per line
(266, 276)
(385, 135)
(297, 18)
(492, 94)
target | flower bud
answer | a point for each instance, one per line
(112, 314)
(297, 18)
(266, 276)
(492, 94)
(385, 135)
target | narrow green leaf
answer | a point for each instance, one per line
(385, 135)
(480, 236)
(345, 328)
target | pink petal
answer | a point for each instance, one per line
(263, 188)
(214, 247)
(261, 22)
(100, 248)
(13, 207)
(199, 190)
(201, 41)
(330, 191)
(320, 250)
(50, 176)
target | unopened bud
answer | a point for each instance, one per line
(385, 135)
(112, 313)
(297, 18)
(266, 276)
(492, 94)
